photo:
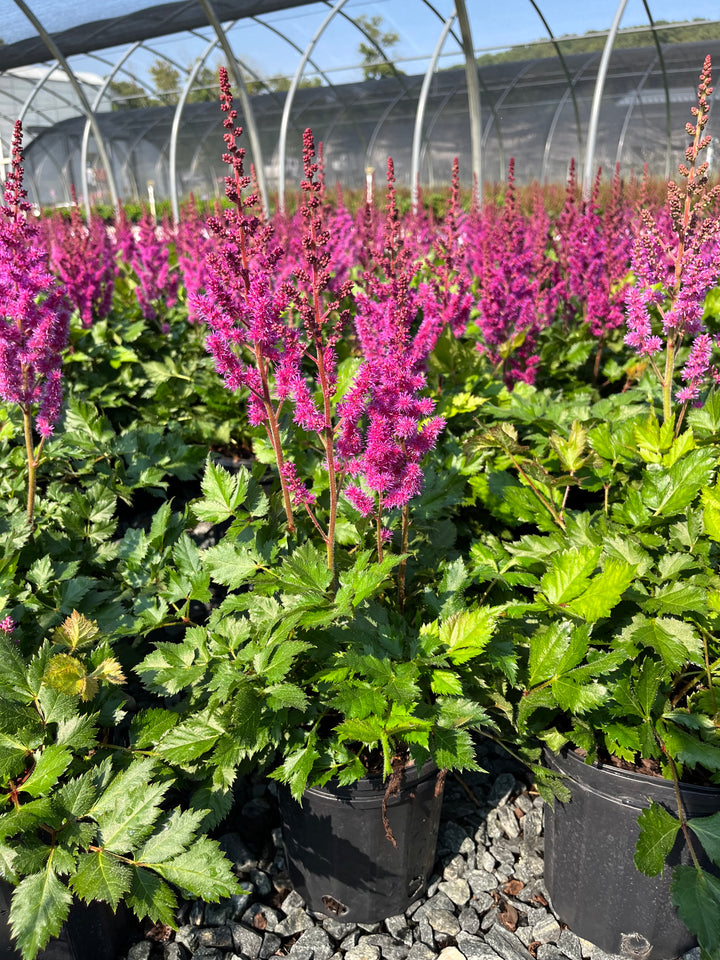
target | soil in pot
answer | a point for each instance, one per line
(340, 856)
(590, 875)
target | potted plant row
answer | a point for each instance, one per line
(384, 584)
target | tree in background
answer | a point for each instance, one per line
(374, 64)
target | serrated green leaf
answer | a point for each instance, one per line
(453, 749)
(690, 749)
(151, 897)
(223, 493)
(7, 855)
(114, 790)
(192, 738)
(578, 697)
(696, 894)
(52, 762)
(547, 648)
(132, 818)
(707, 830)
(149, 726)
(172, 836)
(364, 580)
(69, 675)
(284, 696)
(40, 905)
(202, 871)
(467, 634)
(76, 632)
(604, 591)
(230, 565)
(75, 798)
(79, 732)
(658, 830)
(446, 682)
(569, 574)
(100, 876)
(678, 598)
(675, 640)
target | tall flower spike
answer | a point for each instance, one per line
(34, 319)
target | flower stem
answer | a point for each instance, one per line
(32, 459)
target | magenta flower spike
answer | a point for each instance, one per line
(34, 319)
(676, 263)
(157, 284)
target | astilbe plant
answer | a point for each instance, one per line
(674, 275)
(34, 318)
(82, 256)
(516, 299)
(193, 243)
(157, 283)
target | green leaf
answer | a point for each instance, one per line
(569, 574)
(52, 762)
(171, 837)
(446, 682)
(149, 726)
(230, 565)
(192, 738)
(604, 591)
(76, 632)
(128, 783)
(696, 894)
(364, 580)
(679, 598)
(202, 871)
(453, 749)
(670, 490)
(467, 634)
(283, 696)
(131, 819)
(223, 493)
(7, 855)
(578, 698)
(675, 640)
(151, 897)
(101, 876)
(710, 498)
(658, 830)
(707, 829)
(40, 906)
(547, 648)
(690, 749)
(75, 798)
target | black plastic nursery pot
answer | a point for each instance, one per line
(91, 932)
(338, 854)
(594, 885)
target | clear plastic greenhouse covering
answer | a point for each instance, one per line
(604, 83)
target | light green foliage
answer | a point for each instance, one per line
(80, 817)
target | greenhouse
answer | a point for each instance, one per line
(359, 480)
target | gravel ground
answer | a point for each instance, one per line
(486, 899)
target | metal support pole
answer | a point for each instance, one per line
(57, 53)
(420, 112)
(597, 100)
(473, 85)
(248, 114)
(177, 117)
(287, 108)
(86, 132)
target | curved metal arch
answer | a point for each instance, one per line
(366, 33)
(566, 71)
(420, 111)
(249, 116)
(473, 85)
(136, 78)
(131, 153)
(57, 53)
(176, 126)
(558, 111)
(431, 125)
(287, 108)
(86, 131)
(379, 125)
(666, 86)
(41, 113)
(631, 106)
(597, 98)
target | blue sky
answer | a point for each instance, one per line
(494, 26)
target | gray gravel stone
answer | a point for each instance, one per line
(439, 902)
(220, 937)
(548, 951)
(261, 917)
(317, 941)
(524, 803)
(295, 922)
(262, 883)
(217, 914)
(337, 929)
(197, 913)
(450, 953)
(187, 936)
(570, 945)
(456, 868)
(505, 944)
(246, 941)
(419, 951)
(481, 880)
(208, 953)
(443, 922)
(501, 789)
(350, 941)
(292, 902)
(140, 951)
(368, 952)
(481, 902)
(532, 823)
(425, 933)
(237, 852)
(469, 920)
(508, 821)
(270, 945)
(398, 928)
(474, 948)
(456, 890)
(546, 929)
(451, 836)
(175, 951)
